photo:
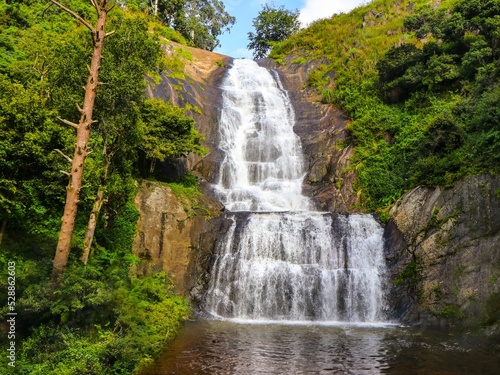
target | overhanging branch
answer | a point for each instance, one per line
(94, 3)
(111, 7)
(66, 173)
(79, 18)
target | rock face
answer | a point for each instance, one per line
(199, 88)
(325, 140)
(443, 253)
(171, 235)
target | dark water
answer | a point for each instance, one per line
(215, 347)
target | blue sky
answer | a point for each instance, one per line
(234, 43)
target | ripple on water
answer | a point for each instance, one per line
(220, 347)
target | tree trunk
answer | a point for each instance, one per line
(2, 230)
(155, 7)
(96, 208)
(82, 138)
(89, 232)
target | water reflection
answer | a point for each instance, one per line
(213, 347)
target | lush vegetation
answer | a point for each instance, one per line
(97, 318)
(421, 85)
(200, 22)
(272, 25)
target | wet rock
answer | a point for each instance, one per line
(200, 88)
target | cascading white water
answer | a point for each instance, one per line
(280, 260)
(263, 165)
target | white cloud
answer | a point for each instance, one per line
(316, 9)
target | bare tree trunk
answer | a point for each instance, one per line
(96, 208)
(155, 7)
(89, 232)
(82, 136)
(2, 230)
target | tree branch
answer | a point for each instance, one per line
(111, 7)
(66, 173)
(94, 3)
(72, 124)
(82, 20)
(64, 155)
(79, 108)
(110, 33)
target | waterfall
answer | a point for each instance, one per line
(280, 260)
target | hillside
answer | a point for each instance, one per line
(419, 81)
(398, 113)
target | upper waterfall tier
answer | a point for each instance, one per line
(263, 166)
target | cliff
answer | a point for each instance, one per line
(193, 82)
(175, 232)
(443, 254)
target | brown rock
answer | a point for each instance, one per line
(169, 236)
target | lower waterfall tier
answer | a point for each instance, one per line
(303, 266)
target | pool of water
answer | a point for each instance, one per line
(221, 347)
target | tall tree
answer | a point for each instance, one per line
(272, 25)
(102, 7)
(199, 21)
(131, 54)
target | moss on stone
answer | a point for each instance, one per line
(450, 312)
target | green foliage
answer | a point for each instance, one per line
(28, 136)
(175, 67)
(272, 25)
(184, 53)
(423, 100)
(167, 131)
(187, 190)
(168, 33)
(450, 312)
(411, 275)
(98, 319)
(198, 21)
(317, 77)
(492, 309)
(125, 328)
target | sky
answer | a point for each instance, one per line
(234, 43)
